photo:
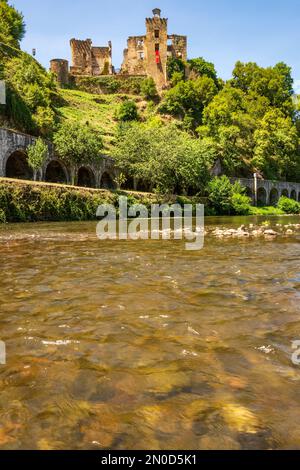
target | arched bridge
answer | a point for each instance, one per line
(268, 192)
(13, 164)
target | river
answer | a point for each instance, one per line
(144, 345)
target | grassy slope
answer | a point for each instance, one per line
(98, 110)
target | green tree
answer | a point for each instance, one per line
(201, 67)
(12, 26)
(229, 123)
(165, 158)
(187, 100)
(274, 83)
(77, 144)
(37, 155)
(289, 206)
(175, 66)
(276, 152)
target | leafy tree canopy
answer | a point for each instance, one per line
(274, 83)
(169, 160)
(37, 154)
(77, 144)
(187, 100)
(12, 26)
(201, 67)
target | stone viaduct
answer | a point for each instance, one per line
(268, 192)
(13, 164)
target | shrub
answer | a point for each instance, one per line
(127, 111)
(289, 206)
(241, 204)
(227, 198)
(148, 88)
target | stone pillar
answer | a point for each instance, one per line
(255, 189)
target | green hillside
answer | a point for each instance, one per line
(98, 110)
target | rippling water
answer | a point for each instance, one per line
(144, 345)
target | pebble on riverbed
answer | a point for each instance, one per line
(256, 231)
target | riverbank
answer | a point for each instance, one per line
(29, 201)
(35, 201)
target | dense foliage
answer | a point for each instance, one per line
(76, 143)
(127, 111)
(37, 154)
(31, 95)
(226, 198)
(12, 26)
(289, 206)
(148, 88)
(30, 202)
(163, 157)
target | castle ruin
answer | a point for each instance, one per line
(90, 60)
(148, 55)
(145, 55)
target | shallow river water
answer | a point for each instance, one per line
(143, 345)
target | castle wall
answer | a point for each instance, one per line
(177, 46)
(89, 60)
(60, 67)
(135, 56)
(145, 55)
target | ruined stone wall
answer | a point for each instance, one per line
(148, 55)
(89, 60)
(177, 46)
(102, 60)
(81, 52)
(60, 67)
(135, 56)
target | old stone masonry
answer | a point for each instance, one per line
(145, 55)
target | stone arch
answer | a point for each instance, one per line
(107, 181)
(130, 183)
(274, 196)
(56, 172)
(86, 177)
(285, 193)
(261, 197)
(249, 192)
(16, 165)
(294, 195)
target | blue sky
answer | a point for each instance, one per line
(222, 31)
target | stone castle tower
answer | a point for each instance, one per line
(148, 55)
(145, 55)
